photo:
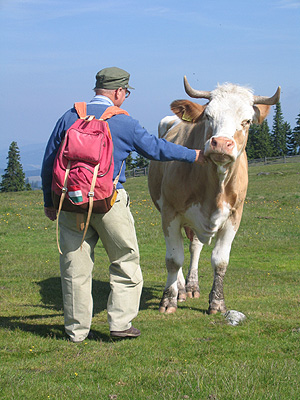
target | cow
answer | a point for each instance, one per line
(204, 200)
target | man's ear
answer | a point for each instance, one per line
(261, 112)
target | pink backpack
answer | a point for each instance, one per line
(83, 168)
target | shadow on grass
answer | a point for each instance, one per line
(51, 297)
(29, 323)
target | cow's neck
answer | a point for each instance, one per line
(222, 173)
(222, 187)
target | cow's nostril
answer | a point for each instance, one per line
(222, 144)
(214, 143)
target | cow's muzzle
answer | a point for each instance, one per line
(220, 149)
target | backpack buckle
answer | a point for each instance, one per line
(89, 118)
(91, 194)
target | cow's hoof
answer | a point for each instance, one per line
(168, 304)
(170, 310)
(216, 310)
(167, 310)
(193, 295)
(182, 297)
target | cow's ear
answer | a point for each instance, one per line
(261, 111)
(187, 110)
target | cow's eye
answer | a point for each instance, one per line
(246, 123)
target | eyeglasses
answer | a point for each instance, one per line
(127, 92)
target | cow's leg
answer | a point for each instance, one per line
(181, 286)
(219, 261)
(189, 287)
(174, 261)
(192, 284)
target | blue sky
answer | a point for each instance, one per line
(51, 51)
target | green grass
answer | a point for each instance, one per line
(188, 355)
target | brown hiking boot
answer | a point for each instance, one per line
(128, 333)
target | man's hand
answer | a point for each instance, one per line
(200, 159)
(50, 213)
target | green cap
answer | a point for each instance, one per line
(112, 78)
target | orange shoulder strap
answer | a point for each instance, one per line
(111, 111)
(80, 109)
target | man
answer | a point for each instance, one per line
(115, 228)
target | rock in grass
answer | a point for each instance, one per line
(234, 317)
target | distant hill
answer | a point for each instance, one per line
(28, 174)
(32, 173)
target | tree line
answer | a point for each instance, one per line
(282, 140)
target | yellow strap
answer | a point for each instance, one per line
(91, 202)
(62, 197)
(114, 198)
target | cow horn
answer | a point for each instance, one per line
(269, 101)
(198, 94)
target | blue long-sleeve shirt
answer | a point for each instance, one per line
(127, 135)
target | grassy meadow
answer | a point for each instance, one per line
(188, 355)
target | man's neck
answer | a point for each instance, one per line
(101, 99)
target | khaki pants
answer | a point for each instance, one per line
(117, 233)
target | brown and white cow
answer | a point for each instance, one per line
(207, 200)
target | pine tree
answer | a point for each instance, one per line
(250, 148)
(28, 185)
(129, 162)
(13, 179)
(296, 134)
(264, 141)
(278, 131)
(259, 142)
(290, 140)
(141, 162)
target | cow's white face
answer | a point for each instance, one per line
(227, 119)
